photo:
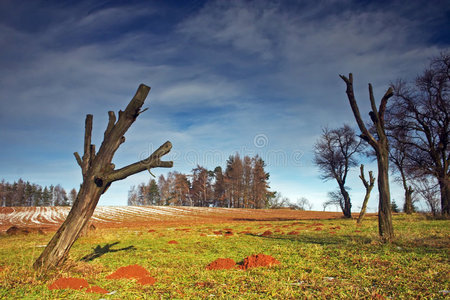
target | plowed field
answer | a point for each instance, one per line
(136, 216)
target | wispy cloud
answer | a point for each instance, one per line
(221, 74)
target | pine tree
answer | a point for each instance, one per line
(153, 193)
(46, 197)
(219, 188)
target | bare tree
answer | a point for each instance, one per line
(428, 188)
(278, 201)
(422, 110)
(304, 204)
(398, 154)
(98, 174)
(369, 186)
(335, 198)
(380, 145)
(334, 154)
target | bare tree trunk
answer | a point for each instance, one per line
(444, 185)
(347, 209)
(98, 174)
(408, 207)
(408, 200)
(369, 186)
(384, 206)
(381, 147)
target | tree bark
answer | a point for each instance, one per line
(347, 209)
(381, 147)
(369, 186)
(408, 207)
(444, 185)
(385, 227)
(98, 174)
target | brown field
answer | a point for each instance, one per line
(49, 218)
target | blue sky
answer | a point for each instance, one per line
(257, 77)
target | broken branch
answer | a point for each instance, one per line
(351, 97)
(111, 123)
(152, 161)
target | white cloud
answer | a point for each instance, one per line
(225, 74)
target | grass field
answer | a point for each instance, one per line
(327, 259)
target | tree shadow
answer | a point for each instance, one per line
(281, 219)
(319, 240)
(99, 251)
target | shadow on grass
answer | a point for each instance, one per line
(430, 245)
(264, 219)
(418, 246)
(319, 240)
(285, 219)
(99, 251)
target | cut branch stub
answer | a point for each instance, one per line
(89, 149)
(111, 123)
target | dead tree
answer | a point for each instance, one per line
(369, 186)
(381, 147)
(98, 174)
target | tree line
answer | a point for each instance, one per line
(243, 184)
(411, 132)
(21, 193)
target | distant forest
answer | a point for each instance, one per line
(23, 193)
(243, 184)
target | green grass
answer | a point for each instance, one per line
(350, 263)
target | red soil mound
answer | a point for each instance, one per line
(97, 289)
(151, 230)
(294, 233)
(221, 264)
(259, 260)
(267, 233)
(173, 242)
(69, 283)
(133, 271)
(147, 280)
